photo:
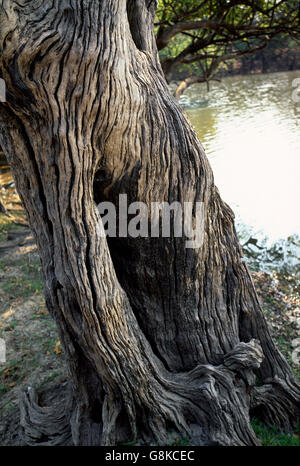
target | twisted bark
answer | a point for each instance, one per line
(155, 335)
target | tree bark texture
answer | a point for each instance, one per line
(156, 336)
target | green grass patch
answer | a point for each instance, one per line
(23, 286)
(271, 436)
(10, 375)
(12, 325)
(6, 224)
(29, 282)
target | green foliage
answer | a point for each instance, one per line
(197, 36)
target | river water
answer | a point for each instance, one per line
(250, 129)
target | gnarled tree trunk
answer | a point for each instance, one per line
(156, 336)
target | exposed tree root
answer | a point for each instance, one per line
(277, 403)
(209, 404)
(44, 425)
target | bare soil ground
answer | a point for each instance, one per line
(33, 351)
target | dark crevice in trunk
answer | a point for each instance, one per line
(137, 19)
(122, 253)
(102, 180)
(42, 197)
(96, 412)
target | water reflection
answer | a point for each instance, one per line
(250, 131)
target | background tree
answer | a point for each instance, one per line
(211, 32)
(155, 336)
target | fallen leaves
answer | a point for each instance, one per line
(57, 349)
(42, 312)
(10, 376)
